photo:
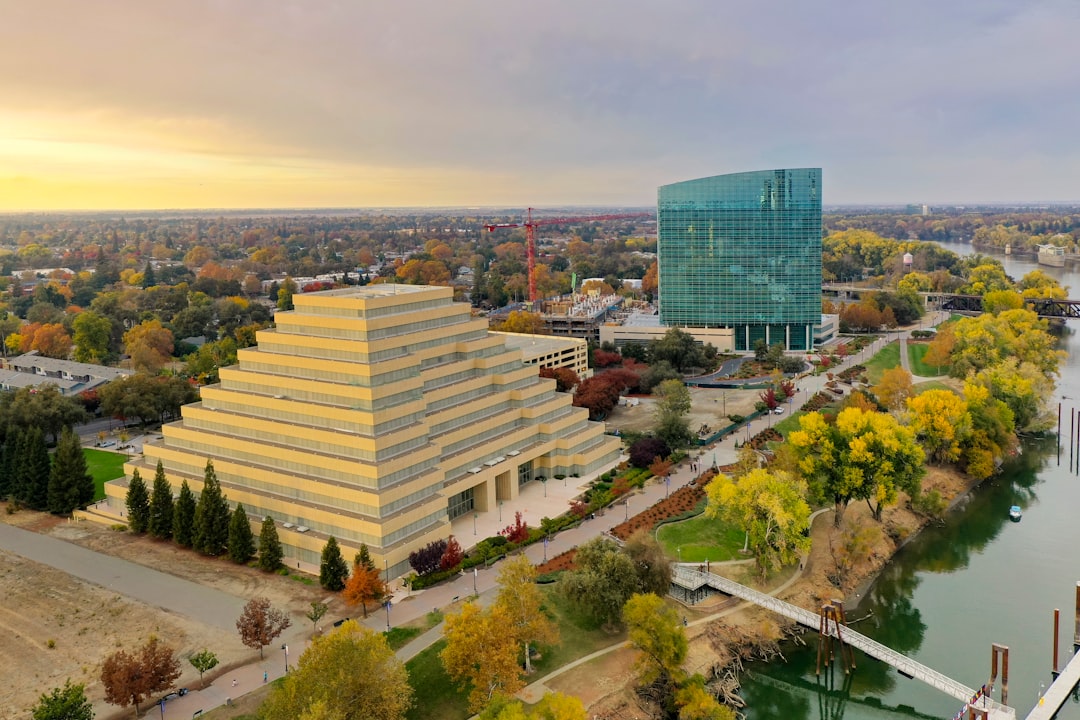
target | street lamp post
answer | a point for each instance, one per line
(545, 548)
(500, 510)
(679, 551)
(285, 647)
(387, 616)
(667, 485)
(474, 582)
(626, 509)
(474, 516)
(544, 483)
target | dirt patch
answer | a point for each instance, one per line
(86, 622)
(708, 408)
(599, 681)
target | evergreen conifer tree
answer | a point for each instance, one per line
(161, 506)
(70, 486)
(183, 528)
(138, 504)
(34, 470)
(211, 526)
(333, 570)
(8, 465)
(241, 541)
(148, 276)
(363, 558)
(270, 552)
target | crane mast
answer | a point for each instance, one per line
(530, 226)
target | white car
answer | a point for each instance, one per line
(778, 410)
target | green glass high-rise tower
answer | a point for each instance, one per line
(743, 251)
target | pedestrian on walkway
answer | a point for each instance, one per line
(234, 682)
(264, 677)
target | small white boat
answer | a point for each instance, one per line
(1014, 513)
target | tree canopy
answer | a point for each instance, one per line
(770, 508)
(348, 674)
(862, 455)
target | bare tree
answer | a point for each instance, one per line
(129, 678)
(259, 624)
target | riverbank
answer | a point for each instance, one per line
(737, 633)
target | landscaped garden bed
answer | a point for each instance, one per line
(817, 402)
(680, 503)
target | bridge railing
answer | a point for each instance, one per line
(692, 578)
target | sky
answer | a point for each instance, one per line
(364, 103)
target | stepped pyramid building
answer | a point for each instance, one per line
(377, 415)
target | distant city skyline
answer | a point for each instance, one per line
(155, 105)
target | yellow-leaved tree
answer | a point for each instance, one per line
(348, 674)
(481, 653)
(941, 422)
(770, 508)
(522, 602)
(864, 455)
(894, 388)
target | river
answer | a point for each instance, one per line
(956, 588)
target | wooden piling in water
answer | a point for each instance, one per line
(1057, 618)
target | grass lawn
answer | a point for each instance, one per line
(931, 385)
(104, 466)
(400, 636)
(700, 539)
(916, 352)
(437, 698)
(789, 423)
(886, 358)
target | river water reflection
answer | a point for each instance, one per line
(958, 587)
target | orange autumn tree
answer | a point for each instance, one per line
(365, 584)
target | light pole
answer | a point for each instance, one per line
(626, 509)
(387, 616)
(725, 403)
(545, 548)
(679, 551)
(544, 483)
(667, 485)
(285, 647)
(474, 582)
(500, 510)
(474, 516)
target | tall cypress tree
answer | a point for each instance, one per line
(161, 506)
(241, 541)
(183, 528)
(333, 570)
(211, 527)
(34, 470)
(270, 552)
(138, 504)
(7, 463)
(70, 486)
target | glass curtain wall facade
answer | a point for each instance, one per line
(743, 251)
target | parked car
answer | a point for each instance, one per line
(778, 410)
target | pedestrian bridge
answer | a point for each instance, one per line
(689, 582)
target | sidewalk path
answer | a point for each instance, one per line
(168, 592)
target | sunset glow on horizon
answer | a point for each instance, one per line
(258, 105)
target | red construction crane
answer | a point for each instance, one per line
(530, 226)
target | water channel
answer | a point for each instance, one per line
(956, 588)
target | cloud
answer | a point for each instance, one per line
(478, 102)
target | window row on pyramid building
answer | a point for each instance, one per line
(378, 415)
